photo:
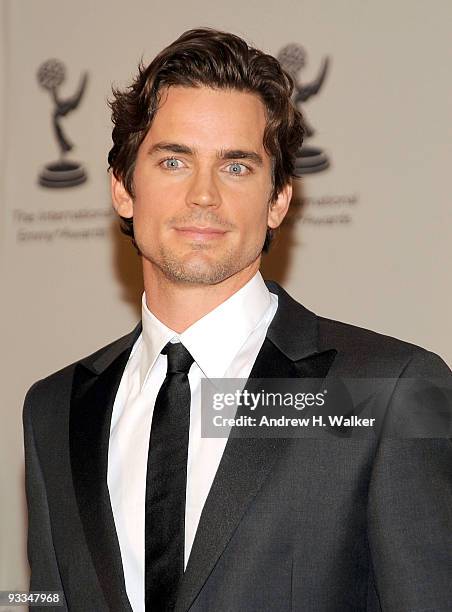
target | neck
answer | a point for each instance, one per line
(178, 305)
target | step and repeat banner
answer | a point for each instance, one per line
(368, 237)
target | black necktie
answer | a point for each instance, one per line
(166, 482)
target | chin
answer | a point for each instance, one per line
(198, 274)
(198, 269)
(201, 266)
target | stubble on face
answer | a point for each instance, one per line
(207, 122)
(205, 263)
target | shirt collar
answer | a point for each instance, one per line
(215, 339)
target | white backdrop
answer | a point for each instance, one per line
(373, 248)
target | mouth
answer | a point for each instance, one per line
(200, 233)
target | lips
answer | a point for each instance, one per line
(201, 230)
(197, 233)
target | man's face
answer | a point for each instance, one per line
(202, 184)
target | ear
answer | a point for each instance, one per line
(122, 200)
(278, 209)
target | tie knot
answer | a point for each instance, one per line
(179, 359)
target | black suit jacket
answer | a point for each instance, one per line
(317, 525)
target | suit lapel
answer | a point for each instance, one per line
(246, 462)
(290, 350)
(96, 381)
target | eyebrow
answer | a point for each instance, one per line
(174, 147)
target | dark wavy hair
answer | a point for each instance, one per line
(210, 58)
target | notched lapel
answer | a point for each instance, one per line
(315, 366)
(244, 466)
(89, 430)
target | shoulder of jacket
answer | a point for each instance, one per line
(58, 381)
(366, 346)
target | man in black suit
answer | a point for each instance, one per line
(130, 507)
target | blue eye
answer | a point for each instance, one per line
(172, 163)
(237, 168)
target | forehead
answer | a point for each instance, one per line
(210, 118)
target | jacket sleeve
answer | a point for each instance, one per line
(410, 503)
(45, 575)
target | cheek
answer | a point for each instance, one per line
(253, 219)
(157, 197)
(149, 199)
(146, 216)
(249, 201)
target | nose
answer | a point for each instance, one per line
(203, 190)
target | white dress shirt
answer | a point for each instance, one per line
(224, 343)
